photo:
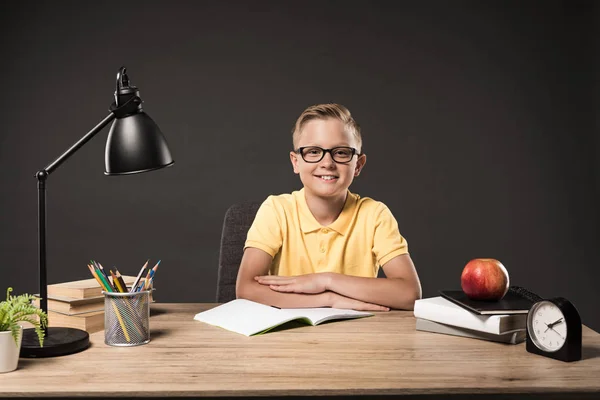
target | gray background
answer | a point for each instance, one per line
(478, 119)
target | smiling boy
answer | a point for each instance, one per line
(322, 246)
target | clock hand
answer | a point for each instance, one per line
(557, 333)
(558, 321)
(551, 325)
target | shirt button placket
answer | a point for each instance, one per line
(322, 248)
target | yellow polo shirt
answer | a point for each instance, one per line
(364, 237)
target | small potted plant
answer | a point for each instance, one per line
(12, 311)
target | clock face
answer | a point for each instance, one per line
(547, 326)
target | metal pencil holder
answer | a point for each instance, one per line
(126, 318)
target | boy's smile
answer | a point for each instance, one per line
(326, 178)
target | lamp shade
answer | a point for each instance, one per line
(135, 144)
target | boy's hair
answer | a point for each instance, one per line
(325, 111)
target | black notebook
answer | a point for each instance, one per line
(517, 300)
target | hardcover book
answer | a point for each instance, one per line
(71, 306)
(81, 289)
(439, 309)
(517, 300)
(90, 322)
(74, 306)
(514, 337)
(251, 318)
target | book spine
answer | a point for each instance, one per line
(458, 317)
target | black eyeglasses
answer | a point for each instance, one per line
(314, 154)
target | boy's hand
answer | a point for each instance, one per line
(339, 301)
(309, 283)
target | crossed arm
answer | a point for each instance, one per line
(399, 290)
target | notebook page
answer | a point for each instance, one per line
(243, 316)
(318, 315)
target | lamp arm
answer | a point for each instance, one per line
(56, 163)
(41, 178)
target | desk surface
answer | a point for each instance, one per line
(379, 355)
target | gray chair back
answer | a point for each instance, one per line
(238, 219)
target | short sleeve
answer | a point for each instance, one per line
(388, 242)
(265, 233)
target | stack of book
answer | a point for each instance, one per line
(78, 304)
(453, 313)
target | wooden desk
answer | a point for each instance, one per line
(380, 355)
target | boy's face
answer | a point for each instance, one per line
(326, 178)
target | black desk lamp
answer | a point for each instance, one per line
(134, 144)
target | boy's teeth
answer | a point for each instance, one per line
(327, 177)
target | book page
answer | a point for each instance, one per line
(319, 315)
(244, 316)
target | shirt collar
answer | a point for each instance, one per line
(308, 223)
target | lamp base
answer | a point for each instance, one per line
(58, 341)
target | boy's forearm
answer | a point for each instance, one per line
(263, 294)
(398, 293)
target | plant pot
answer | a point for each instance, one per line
(9, 351)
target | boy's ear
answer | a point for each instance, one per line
(360, 164)
(294, 160)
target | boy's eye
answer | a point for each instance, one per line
(342, 152)
(315, 151)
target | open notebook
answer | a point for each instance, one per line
(251, 318)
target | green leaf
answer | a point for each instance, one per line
(17, 309)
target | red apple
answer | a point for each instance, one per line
(484, 279)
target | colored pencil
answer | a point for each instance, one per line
(106, 284)
(116, 282)
(151, 281)
(121, 321)
(112, 284)
(137, 280)
(150, 278)
(120, 279)
(146, 280)
(97, 267)
(102, 281)
(97, 278)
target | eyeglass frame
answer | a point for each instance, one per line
(330, 151)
